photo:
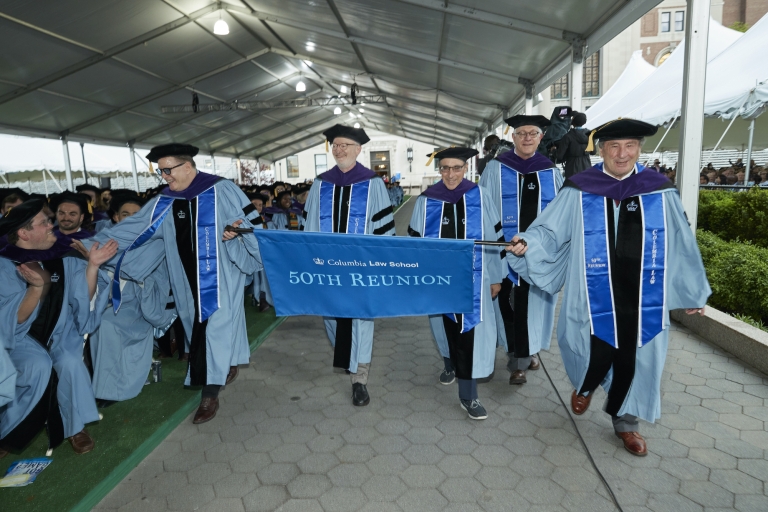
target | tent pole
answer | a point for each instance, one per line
(45, 184)
(213, 163)
(67, 165)
(577, 74)
(665, 134)
(8, 185)
(692, 112)
(54, 180)
(82, 152)
(133, 167)
(749, 150)
(736, 114)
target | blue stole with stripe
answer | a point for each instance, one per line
(510, 201)
(358, 207)
(207, 250)
(600, 294)
(473, 230)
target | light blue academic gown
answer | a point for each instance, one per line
(555, 259)
(362, 329)
(484, 353)
(7, 378)
(121, 348)
(226, 337)
(541, 305)
(102, 224)
(280, 221)
(79, 316)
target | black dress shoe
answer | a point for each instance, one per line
(360, 395)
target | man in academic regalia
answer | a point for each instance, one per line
(121, 348)
(183, 227)
(49, 298)
(350, 198)
(521, 183)
(617, 238)
(72, 212)
(457, 208)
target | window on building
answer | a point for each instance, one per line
(559, 89)
(665, 19)
(292, 166)
(592, 76)
(679, 21)
(321, 163)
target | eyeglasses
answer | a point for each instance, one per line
(456, 168)
(527, 135)
(342, 146)
(47, 222)
(167, 170)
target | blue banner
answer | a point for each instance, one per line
(361, 276)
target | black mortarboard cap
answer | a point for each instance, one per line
(341, 130)
(81, 200)
(120, 197)
(20, 215)
(5, 192)
(521, 120)
(158, 152)
(621, 129)
(84, 187)
(456, 152)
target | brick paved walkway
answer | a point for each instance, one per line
(287, 438)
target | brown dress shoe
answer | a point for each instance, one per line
(82, 442)
(232, 375)
(206, 411)
(518, 377)
(580, 403)
(634, 443)
(535, 365)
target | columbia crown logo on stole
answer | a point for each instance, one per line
(181, 215)
(531, 186)
(632, 206)
(446, 221)
(54, 277)
(318, 261)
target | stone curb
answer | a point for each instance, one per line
(748, 343)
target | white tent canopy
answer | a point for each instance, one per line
(662, 90)
(637, 70)
(731, 77)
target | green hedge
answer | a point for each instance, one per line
(738, 275)
(735, 215)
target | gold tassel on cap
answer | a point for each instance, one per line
(90, 208)
(506, 130)
(151, 169)
(326, 145)
(591, 144)
(434, 153)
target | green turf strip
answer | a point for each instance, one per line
(129, 431)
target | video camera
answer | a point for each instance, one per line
(500, 147)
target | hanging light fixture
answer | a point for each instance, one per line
(337, 110)
(352, 115)
(220, 28)
(310, 46)
(301, 86)
(362, 110)
(343, 89)
(357, 125)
